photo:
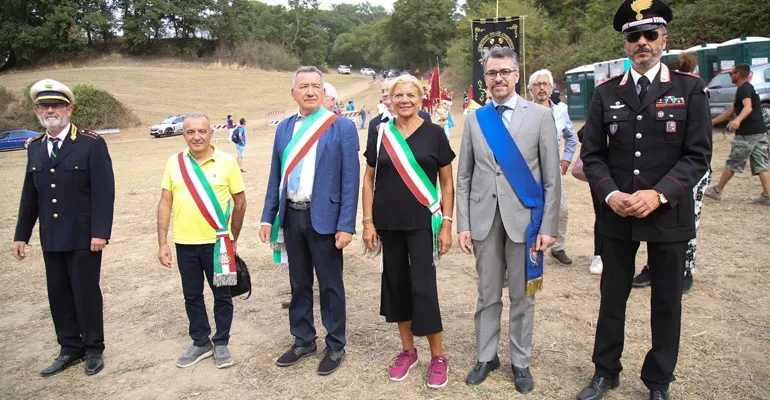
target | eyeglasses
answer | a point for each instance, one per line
(634, 37)
(541, 84)
(504, 73)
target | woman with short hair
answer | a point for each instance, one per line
(412, 216)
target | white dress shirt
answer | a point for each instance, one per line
(307, 174)
(61, 136)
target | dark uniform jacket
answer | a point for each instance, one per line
(663, 144)
(73, 197)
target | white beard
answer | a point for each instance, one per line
(53, 125)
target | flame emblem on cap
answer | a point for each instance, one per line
(48, 85)
(639, 6)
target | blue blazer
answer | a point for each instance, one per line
(335, 187)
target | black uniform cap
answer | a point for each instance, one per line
(641, 15)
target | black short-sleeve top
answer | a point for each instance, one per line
(395, 207)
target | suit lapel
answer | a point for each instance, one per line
(626, 90)
(518, 117)
(41, 151)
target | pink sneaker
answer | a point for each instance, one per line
(438, 372)
(402, 363)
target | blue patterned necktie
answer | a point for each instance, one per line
(54, 148)
(501, 109)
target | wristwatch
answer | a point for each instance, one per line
(661, 198)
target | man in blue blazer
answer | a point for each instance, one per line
(312, 199)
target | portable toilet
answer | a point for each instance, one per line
(751, 50)
(601, 72)
(708, 66)
(619, 66)
(580, 91)
(670, 55)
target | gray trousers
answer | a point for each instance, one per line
(497, 255)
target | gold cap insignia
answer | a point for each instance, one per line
(639, 6)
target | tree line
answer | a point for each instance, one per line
(560, 34)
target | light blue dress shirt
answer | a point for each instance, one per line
(507, 114)
(564, 129)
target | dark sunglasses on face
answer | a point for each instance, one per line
(634, 37)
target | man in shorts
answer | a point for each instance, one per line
(239, 138)
(750, 143)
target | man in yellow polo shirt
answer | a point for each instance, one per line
(217, 197)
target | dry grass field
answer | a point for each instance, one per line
(725, 345)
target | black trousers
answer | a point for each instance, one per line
(306, 248)
(666, 272)
(597, 236)
(409, 291)
(195, 261)
(75, 299)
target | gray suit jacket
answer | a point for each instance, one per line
(482, 185)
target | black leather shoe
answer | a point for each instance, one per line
(687, 284)
(561, 257)
(331, 361)
(522, 380)
(598, 386)
(479, 373)
(643, 279)
(659, 395)
(94, 364)
(294, 354)
(61, 363)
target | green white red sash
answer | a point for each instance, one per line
(206, 200)
(313, 127)
(413, 176)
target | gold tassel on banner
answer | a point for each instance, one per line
(534, 286)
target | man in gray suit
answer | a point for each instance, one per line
(492, 220)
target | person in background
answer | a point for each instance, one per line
(204, 252)
(351, 106)
(330, 97)
(540, 86)
(381, 108)
(750, 143)
(363, 117)
(413, 232)
(230, 128)
(239, 138)
(69, 187)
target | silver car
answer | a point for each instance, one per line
(722, 91)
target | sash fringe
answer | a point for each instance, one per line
(226, 279)
(534, 286)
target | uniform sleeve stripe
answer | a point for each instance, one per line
(597, 183)
(677, 182)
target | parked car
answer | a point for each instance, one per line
(169, 126)
(392, 73)
(368, 72)
(18, 139)
(343, 69)
(722, 91)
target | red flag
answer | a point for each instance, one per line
(435, 87)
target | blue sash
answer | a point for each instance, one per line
(530, 192)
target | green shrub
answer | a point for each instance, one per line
(96, 109)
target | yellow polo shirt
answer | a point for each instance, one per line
(224, 176)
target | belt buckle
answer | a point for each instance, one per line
(301, 206)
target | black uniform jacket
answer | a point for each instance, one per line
(73, 197)
(663, 144)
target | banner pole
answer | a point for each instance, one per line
(497, 9)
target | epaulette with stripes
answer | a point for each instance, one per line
(685, 74)
(612, 79)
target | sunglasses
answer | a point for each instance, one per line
(634, 37)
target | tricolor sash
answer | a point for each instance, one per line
(517, 172)
(413, 176)
(313, 127)
(206, 200)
